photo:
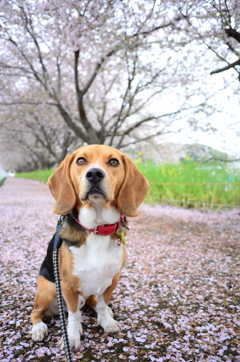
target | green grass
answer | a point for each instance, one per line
(41, 175)
(192, 184)
(186, 184)
(2, 181)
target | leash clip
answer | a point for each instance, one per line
(61, 219)
(95, 231)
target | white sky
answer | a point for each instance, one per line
(226, 138)
(226, 119)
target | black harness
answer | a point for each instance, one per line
(47, 269)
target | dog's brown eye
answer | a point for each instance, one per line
(81, 161)
(113, 162)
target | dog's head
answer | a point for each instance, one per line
(97, 173)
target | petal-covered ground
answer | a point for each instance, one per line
(178, 298)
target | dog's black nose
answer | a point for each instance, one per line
(95, 175)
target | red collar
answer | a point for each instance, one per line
(105, 229)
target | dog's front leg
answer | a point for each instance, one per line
(105, 317)
(74, 302)
(105, 314)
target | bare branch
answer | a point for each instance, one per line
(163, 26)
(7, 66)
(93, 76)
(66, 116)
(229, 66)
(76, 57)
(91, 132)
(34, 72)
(147, 138)
(233, 33)
(59, 75)
(30, 30)
(29, 103)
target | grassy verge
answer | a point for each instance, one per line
(190, 184)
(186, 184)
(2, 181)
(41, 175)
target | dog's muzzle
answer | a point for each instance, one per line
(95, 177)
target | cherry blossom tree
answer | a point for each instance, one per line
(216, 24)
(35, 138)
(101, 64)
(109, 72)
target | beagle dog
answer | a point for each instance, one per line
(96, 188)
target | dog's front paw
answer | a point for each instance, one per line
(74, 342)
(74, 337)
(112, 327)
(109, 324)
(74, 330)
(39, 331)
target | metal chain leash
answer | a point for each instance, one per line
(57, 244)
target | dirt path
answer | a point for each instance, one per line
(178, 299)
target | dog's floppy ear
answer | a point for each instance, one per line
(61, 187)
(133, 189)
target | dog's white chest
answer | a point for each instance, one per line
(96, 263)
